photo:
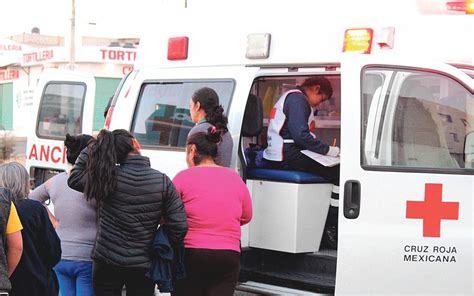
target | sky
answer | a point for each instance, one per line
(117, 18)
(125, 18)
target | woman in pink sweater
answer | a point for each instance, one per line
(217, 202)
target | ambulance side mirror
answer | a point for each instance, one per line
(469, 151)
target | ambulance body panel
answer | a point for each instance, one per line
(168, 158)
(392, 174)
(402, 115)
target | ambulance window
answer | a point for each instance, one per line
(61, 110)
(423, 122)
(162, 116)
(372, 81)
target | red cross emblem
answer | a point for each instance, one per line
(432, 210)
(312, 126)
(273, 113)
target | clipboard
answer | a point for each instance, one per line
(325, 160)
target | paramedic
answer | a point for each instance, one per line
(292, 123)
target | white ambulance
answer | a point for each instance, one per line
(402, 112)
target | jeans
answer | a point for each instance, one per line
(75, 278)
(109, 280)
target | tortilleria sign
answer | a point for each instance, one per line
(37, 57)
(9, 74)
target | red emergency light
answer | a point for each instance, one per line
(178, 48)
(461, 6)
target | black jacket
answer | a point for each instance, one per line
(128, 218)
(34, 274)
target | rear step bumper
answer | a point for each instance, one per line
(302, 272)
(265, 289)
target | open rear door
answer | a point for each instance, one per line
(64, 103)
(406, 211)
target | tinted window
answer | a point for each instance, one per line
(61, 110)
(162, 117)
(423, 121)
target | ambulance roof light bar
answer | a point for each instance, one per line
(358, 40)
(178, 48)
(258, 46)
(466, 6)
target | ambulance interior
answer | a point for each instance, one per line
(266, 91)
(290, 207)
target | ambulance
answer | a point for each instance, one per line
(402, 113)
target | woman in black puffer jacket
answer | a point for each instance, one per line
(132, 198)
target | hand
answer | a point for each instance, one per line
(333, 151)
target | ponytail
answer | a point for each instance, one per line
(109, 149)
(100, 174)
(209, 101)
(217, 118)
(205, 143)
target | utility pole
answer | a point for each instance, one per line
(72, 52)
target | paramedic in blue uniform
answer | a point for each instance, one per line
(292, 123)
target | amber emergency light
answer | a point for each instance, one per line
(358, 40)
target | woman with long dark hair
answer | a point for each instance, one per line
(217, 203)
(131, 200)
(206, 112)
(76, 224)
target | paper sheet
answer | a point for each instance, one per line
(325, 160)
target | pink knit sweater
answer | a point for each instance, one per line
(217, 203)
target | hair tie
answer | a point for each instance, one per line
(213, 130)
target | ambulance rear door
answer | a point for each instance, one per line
(407, 165)
(64, 103)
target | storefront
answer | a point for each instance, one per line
(21, 67)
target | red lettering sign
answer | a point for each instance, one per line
(432, 210)
(127, 69)
(10, 47)
(33, 153)
(55, 154)
(53, 151)
(44, 153)
(38, 56)
(118, 55)
(9, 74)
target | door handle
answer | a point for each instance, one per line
(351, 199)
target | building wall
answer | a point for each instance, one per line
(24, 57)
(104, 90)
(6, 106)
